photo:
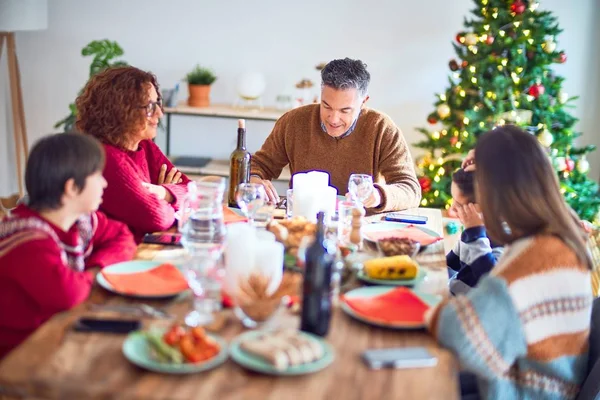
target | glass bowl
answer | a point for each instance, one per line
(257, 312)
(398, 247)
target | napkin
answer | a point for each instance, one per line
(230, 216)
(409, 232)
(399, 305)
(165, 279)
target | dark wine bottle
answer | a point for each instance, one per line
(316, 291)
(239, 164)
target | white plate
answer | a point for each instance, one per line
(129, 267)
(387, 226)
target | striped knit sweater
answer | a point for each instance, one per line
(473, 256)
(523, 331)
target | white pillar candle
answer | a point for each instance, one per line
(328, 201)
(300, 180)
(308, 189)
(269, 262)
(240, 251)
(319, 179)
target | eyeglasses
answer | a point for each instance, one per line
(151, 107)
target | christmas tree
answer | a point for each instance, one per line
(503, 75)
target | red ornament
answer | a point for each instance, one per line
(562, 58)
(453, 65)
(432, 120)
(489, 40)
(425, 183)
(570, 165)
(518, 7)
(464, 64)
(536, 90)
(460, 38)
(453, 140)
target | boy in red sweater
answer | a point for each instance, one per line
(47, 245)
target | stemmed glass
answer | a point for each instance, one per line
(250, 198)
(360, 187)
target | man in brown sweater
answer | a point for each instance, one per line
(342, 137)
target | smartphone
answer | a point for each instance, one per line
(409, 219)
(167, 239)
(106, 325)
(399, 357)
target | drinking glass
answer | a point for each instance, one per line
(344, 222)
(360, 187)
(203, 236)
(250, 198)
(289, 203)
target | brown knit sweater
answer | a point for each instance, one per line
(376, 147)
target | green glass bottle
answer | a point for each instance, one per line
(239, 164)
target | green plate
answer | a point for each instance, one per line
(256, 363)
(137, 350)
(130, 267)
(373, 291)
(396, 282)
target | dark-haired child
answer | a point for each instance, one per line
(474, 255)
(47, 245)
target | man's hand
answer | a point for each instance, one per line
(468, 163)
(159, 191)
(469, 215)
(374, 199)
(173, 176)
(269, 188)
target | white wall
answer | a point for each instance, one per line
(405, 44)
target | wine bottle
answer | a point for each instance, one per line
(316, 291)
(239, 164)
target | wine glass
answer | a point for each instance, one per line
(250, 198)
(360, 187)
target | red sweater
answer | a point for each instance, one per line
(42, 267)
(126, 200)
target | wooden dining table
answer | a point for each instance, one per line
(56, 362)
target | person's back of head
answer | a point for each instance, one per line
(53, 161)
(346, 73)
(518, 192)
(465, 182)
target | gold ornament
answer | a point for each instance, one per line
(549, 46)
(443, 110)
(562, 97)
(560, 163)
(545, 138)
(583, 165)
(470, 39)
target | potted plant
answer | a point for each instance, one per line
(199, 81)
(104, 52)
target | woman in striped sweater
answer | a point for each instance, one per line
(523, 331)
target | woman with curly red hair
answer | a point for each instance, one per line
(122, 107)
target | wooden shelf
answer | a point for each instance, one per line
(221, 168)
(227, 111)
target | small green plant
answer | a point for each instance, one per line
(104, 52)
(201, 76)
